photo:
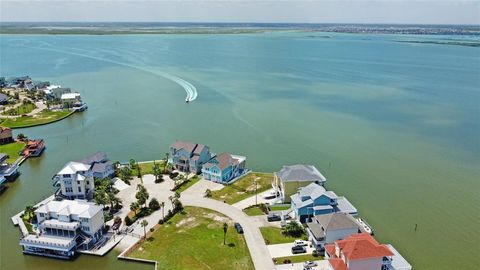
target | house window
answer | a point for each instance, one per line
(78, 182)
(67, 175)
(79, 189)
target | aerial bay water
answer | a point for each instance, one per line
(393, 125)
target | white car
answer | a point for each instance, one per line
(300, 243)
(309, 264)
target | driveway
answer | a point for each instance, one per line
(321, 265)
(251, 200)
(284, 250)
(256, 245)
(160, 191)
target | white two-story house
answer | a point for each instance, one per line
(64, 227)
(76, 181)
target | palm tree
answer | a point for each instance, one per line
(144, 224)
(225, 228)
(171, 199)
(139, 173)
(134, 207)
(162, 204)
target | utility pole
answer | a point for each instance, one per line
(256, 202)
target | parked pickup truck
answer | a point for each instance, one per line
(273, 217)
(298, 249)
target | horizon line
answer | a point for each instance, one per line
(287, 23)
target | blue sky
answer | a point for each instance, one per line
(301, 11)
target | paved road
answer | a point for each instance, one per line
(321, 265)
(256, 245)
(285, 250)
(251, 200)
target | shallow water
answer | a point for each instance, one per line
(393, 126)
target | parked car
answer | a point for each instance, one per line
(273, 217)
(307, 268)
(298, 249)
(300, 242)
(271, 195)
(238, 227)
(309, 264)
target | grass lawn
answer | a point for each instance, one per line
(279, 208)
(244, 187)
(190, 183)
(43, 117)
(298, 258)
(22, 109)
(253, 211)
(12, 150)
(273, 235)
(194, 240)
(147, 167)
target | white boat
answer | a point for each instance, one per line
(363, 224)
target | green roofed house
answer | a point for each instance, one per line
(289, 179)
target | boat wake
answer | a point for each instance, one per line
(189, 88)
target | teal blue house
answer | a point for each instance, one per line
(223, 168)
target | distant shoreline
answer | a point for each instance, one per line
(91, 28)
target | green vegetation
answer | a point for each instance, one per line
(24, 108)
(12, 150)
(193, 239)
(279, 207)
(244, 187)
(190, 182)
(28, 217)
(296, 259)
(44, 117)
(293, 229)
(256, 210)
(274, 235)
(253, 211)
(146, 167)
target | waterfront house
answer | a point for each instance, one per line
(100, 166)
(314, 200)
(9, 171)
(64, 227)
(289, 179)
(40, 86)
(3, 82)
(189, 157)
(75, 180)
(56, 91)
(70, 99)
(363, 252)
(223, 168)
(328, 228)
(17, 82)
(28, 85)
(3, 99)
(34, 148)
(6, 135)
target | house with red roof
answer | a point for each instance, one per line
(359, 252)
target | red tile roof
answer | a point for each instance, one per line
(330, 250)
(338, 264)
(362, 246)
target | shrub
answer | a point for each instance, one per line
(128, 221)
(287, 261)
(152, 229)
(208, 193)
(315, 253)
(294, 229)
(160, 221)
(154, 204)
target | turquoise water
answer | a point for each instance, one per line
(394, 126)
